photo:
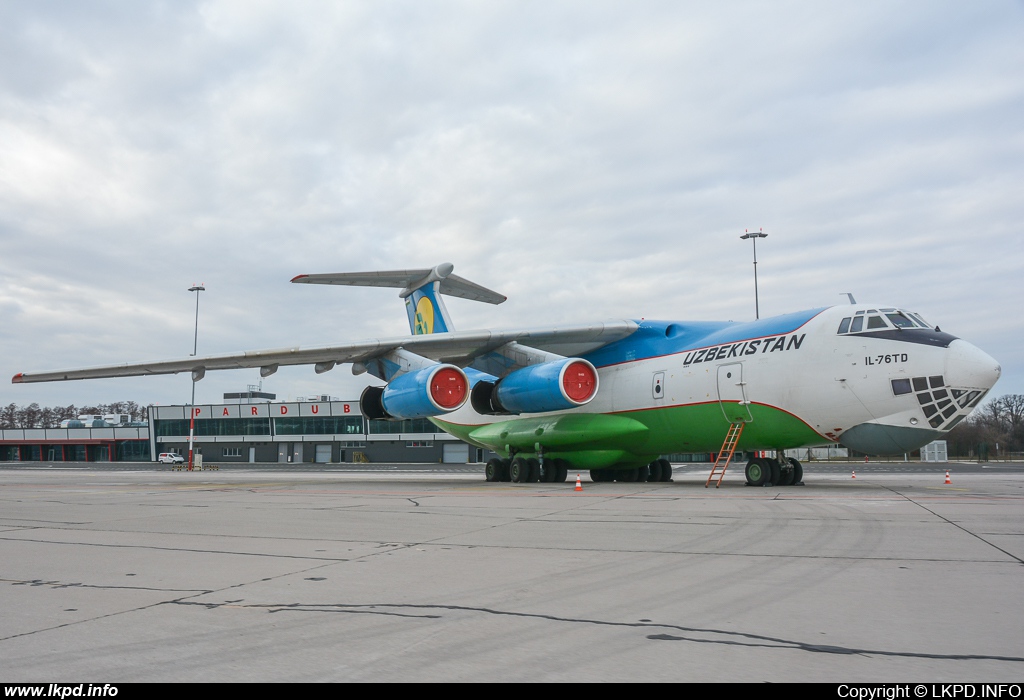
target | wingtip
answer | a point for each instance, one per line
(18, 378)
(296, 278)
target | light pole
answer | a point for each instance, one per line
(754, 236)
(192, 406)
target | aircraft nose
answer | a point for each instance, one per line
(969, 366)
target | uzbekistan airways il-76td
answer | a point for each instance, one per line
(614, 397)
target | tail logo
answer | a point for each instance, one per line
(424, 317)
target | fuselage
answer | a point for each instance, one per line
(886, 383)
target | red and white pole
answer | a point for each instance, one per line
(191, 427)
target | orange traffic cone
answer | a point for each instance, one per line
(579, 484)
(947, 477)
(854, 475)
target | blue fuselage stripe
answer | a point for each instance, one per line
(659, 338)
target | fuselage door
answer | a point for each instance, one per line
(732, 393)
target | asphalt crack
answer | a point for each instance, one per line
(696, 635)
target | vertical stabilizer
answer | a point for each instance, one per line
(423, 303)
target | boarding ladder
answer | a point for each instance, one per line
(725, 454)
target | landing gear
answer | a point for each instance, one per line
(534, 476)
(654, 468)
(547, 471)
(762, 471)
(494, 470)
(524, 470)
(561, 470)
(758, 472)
(659, 470)
(798, 472)
(786, 473)
(666, 470)
(519, 470)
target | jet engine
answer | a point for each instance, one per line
(550, 386)
(427, 392)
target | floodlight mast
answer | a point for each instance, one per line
(754, 236)
(192, 406)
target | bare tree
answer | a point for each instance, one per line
(8, 416)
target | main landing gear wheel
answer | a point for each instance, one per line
(519, 470)
(492, 472)
(776, 472)
(534, 470)
(644, 474)
(548, 471)
(599, 475)
(666, 470)
(561, 469)
(758, 472)
(654, 470)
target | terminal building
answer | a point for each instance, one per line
(323, 431)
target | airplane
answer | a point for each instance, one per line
(614, 397)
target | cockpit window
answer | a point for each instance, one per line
(917, 317)
(899, 320)
(877, 320)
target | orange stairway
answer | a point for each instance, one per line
(725, 454)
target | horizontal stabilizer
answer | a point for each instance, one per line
(408, 281)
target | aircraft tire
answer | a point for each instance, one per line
(654, 470)
(492, 472)
(666, 470)
(505, 470)
(643, 474)
(598, 476)
(548, 471)
(776, 472)
(519, 470)
(798, 472)
(561, 468)
(757, 472)
(534, 475)
(786, 474)
(628, 476)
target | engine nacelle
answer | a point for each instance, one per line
(427, 392)
(550, 386)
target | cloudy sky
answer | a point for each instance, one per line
(591, 160)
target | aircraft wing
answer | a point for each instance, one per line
(459, 348)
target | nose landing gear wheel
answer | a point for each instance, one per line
(798, 472)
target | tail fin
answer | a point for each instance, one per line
(421, 289)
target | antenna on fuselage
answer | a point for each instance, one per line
(852, 300)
